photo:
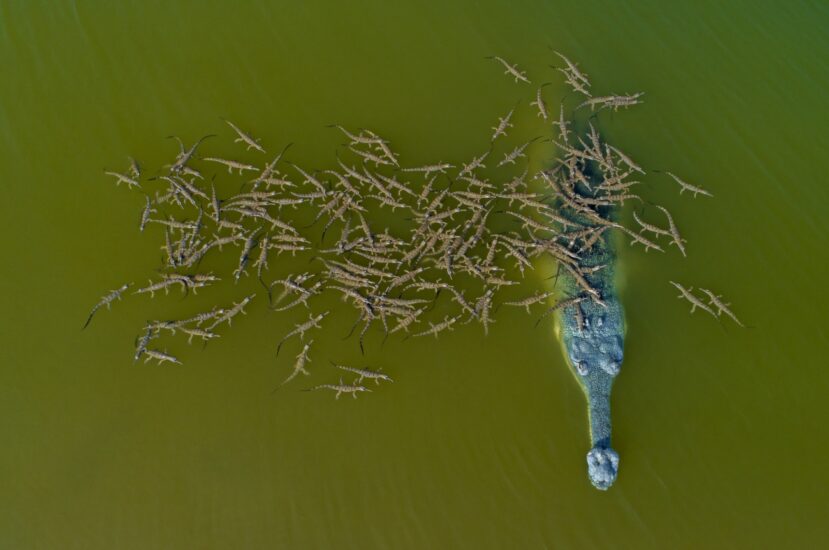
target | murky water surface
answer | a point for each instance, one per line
(480, 443)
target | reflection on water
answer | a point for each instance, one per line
(479, 441)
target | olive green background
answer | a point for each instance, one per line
(480, 442)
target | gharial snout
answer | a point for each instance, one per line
(602, 467)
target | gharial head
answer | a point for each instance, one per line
(602, 467)
(602, 351)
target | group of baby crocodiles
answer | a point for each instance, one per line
(452, 229)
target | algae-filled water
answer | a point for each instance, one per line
(480, 442)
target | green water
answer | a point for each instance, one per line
(480, 442)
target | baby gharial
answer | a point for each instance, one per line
(594, 337)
